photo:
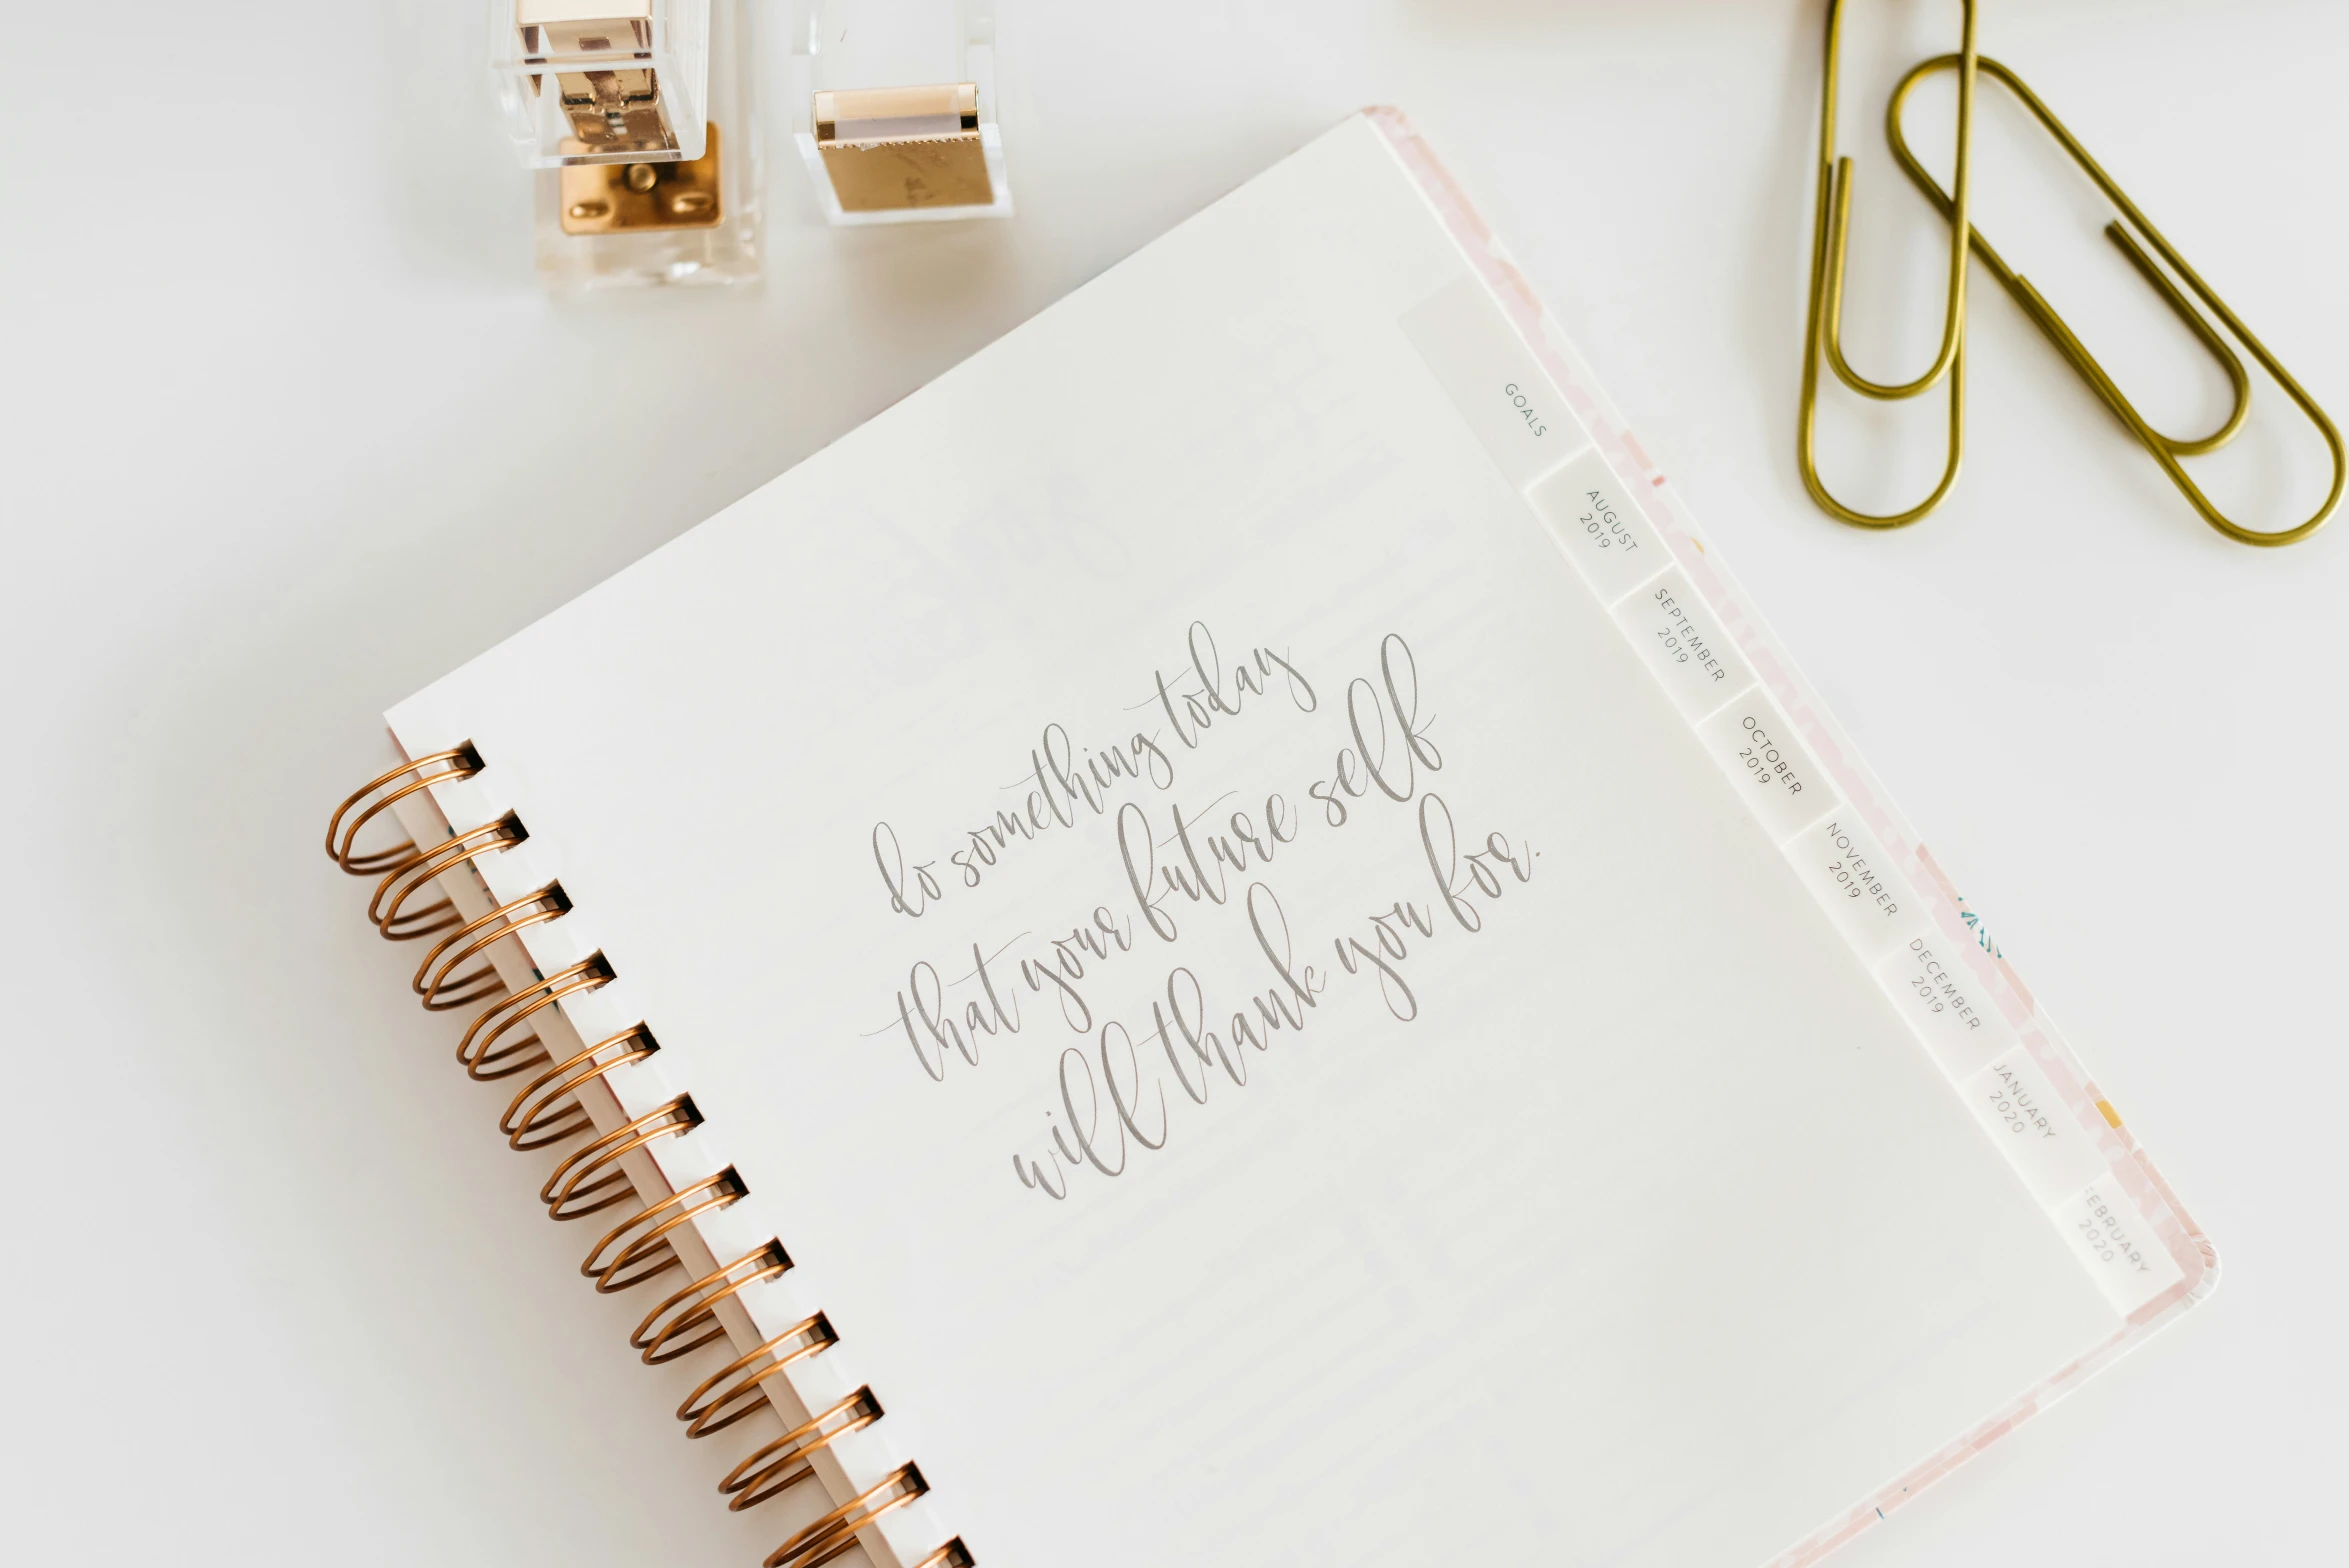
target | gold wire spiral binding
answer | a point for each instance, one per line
(592, 1178)
(567, 1193)
(395, 921)
(727, 1395)
(466, 989)
(458, 762)
(437, 980)
(635, 1250)
(548, 1109)
(479, 1049)
(952, 1555)
(697, 1305)
(833, 1534)
(785, 1462)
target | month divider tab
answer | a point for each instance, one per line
(1516, 413)
(1849, 871)
(2041, 1136)
(2120, 1249)
(1590, 514)
(1946, 1003)
(1776, 776)
(1682, 643)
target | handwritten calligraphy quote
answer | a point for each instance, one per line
(1171, 867)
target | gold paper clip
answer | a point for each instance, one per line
(2166, 450)
(1823, 335)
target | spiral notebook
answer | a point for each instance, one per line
(1221, 939)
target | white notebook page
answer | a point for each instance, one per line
(1632, 1226)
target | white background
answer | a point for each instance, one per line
(286, 430)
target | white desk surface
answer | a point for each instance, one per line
(286, 430)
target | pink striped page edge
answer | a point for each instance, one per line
(1659, 500)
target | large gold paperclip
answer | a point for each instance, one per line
(1823, 336)
(2166, 450)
